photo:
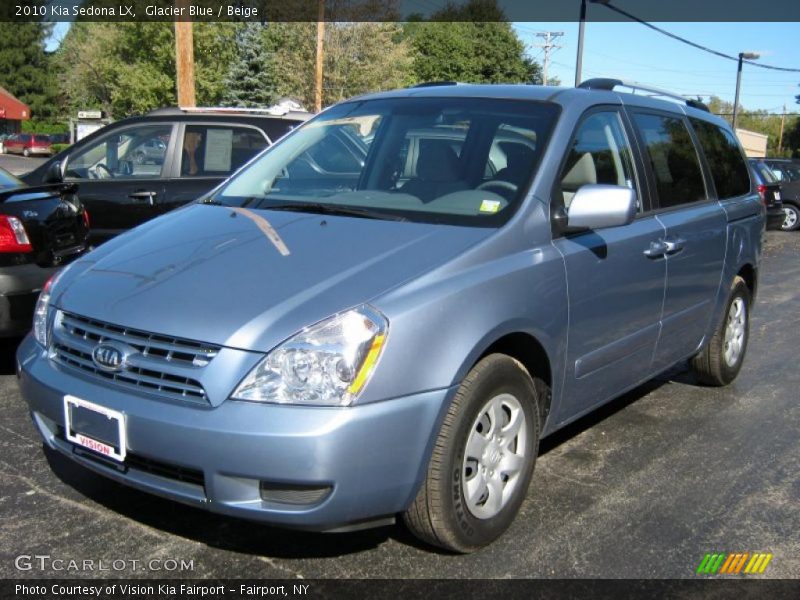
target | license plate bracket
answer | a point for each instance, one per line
(95, 427)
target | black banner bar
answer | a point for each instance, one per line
(314, 589)
(401, 10)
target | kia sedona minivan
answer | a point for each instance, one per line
(383, 313)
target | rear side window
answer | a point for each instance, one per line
(673, 159)
(218, 150)
(728, 169)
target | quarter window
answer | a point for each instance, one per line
(728, 169)
(599, 153)
(673, 159)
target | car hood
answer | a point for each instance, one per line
(250, 279)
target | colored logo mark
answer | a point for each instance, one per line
(733, 563)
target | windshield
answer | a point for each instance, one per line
(463, 161)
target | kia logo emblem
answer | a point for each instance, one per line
(108, 357)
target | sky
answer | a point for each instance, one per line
(633, 52)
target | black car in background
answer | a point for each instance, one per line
(769, 188)
(141, 167)
(787, 171)
(41, 229)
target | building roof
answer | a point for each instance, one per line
(11, 108)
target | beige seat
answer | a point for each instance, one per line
(583, 172)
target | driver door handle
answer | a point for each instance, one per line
(674, 245)
(656, 249)
(144, 195)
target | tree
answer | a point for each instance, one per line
(360, 57)
(470, 43)
(25, 67)
(129, 68)
(250, 80)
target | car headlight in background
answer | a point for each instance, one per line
(326, 364)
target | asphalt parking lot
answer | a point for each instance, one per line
(18, 165)
(643, 488)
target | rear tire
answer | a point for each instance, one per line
(791, 220)
(26, 153)
(720, 361)
(483, 458)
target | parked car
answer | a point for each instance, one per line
(139, 168)
(41, 229)
(59, 138)
(787, 172)
(27, 144)
(769, 189)
(331, 354)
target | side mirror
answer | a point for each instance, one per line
(54, 173)
(596, 206)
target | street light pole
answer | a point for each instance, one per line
(742, 56)
(581, 30)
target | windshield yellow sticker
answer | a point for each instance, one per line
(490, 206)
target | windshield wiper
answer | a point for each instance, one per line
(333, 209)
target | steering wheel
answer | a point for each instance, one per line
(498, 183)
(101, 171)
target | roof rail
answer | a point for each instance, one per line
(434, 84)
(605, 83)
(274, 111)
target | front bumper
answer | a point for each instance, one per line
(372, 458)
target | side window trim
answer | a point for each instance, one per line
(176, 154)
(617, 109)
(655, 206)
(121, 130)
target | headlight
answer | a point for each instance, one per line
(326, 364)
(42, 311)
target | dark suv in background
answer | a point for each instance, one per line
(769, 189)
(787, 171)
(138, 168)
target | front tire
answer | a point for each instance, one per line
(721, 360)
(791, 218)
(483, 458)
(26, 153)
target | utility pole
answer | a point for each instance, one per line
(548, 46)
(184, 57)
(780, 137)
(320, 55)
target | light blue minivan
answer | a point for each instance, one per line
(383, 313)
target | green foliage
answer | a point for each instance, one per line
(481, 47)
(129, 68)
(359, 57)
(59, 147)
(250, 80)
(44, 127)
(25, 68)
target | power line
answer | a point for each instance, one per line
(696, 45)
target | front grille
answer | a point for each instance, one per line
(158, 356)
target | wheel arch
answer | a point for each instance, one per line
(527, 348)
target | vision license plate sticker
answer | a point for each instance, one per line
(95, 427)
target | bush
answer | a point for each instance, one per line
(59, 147)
